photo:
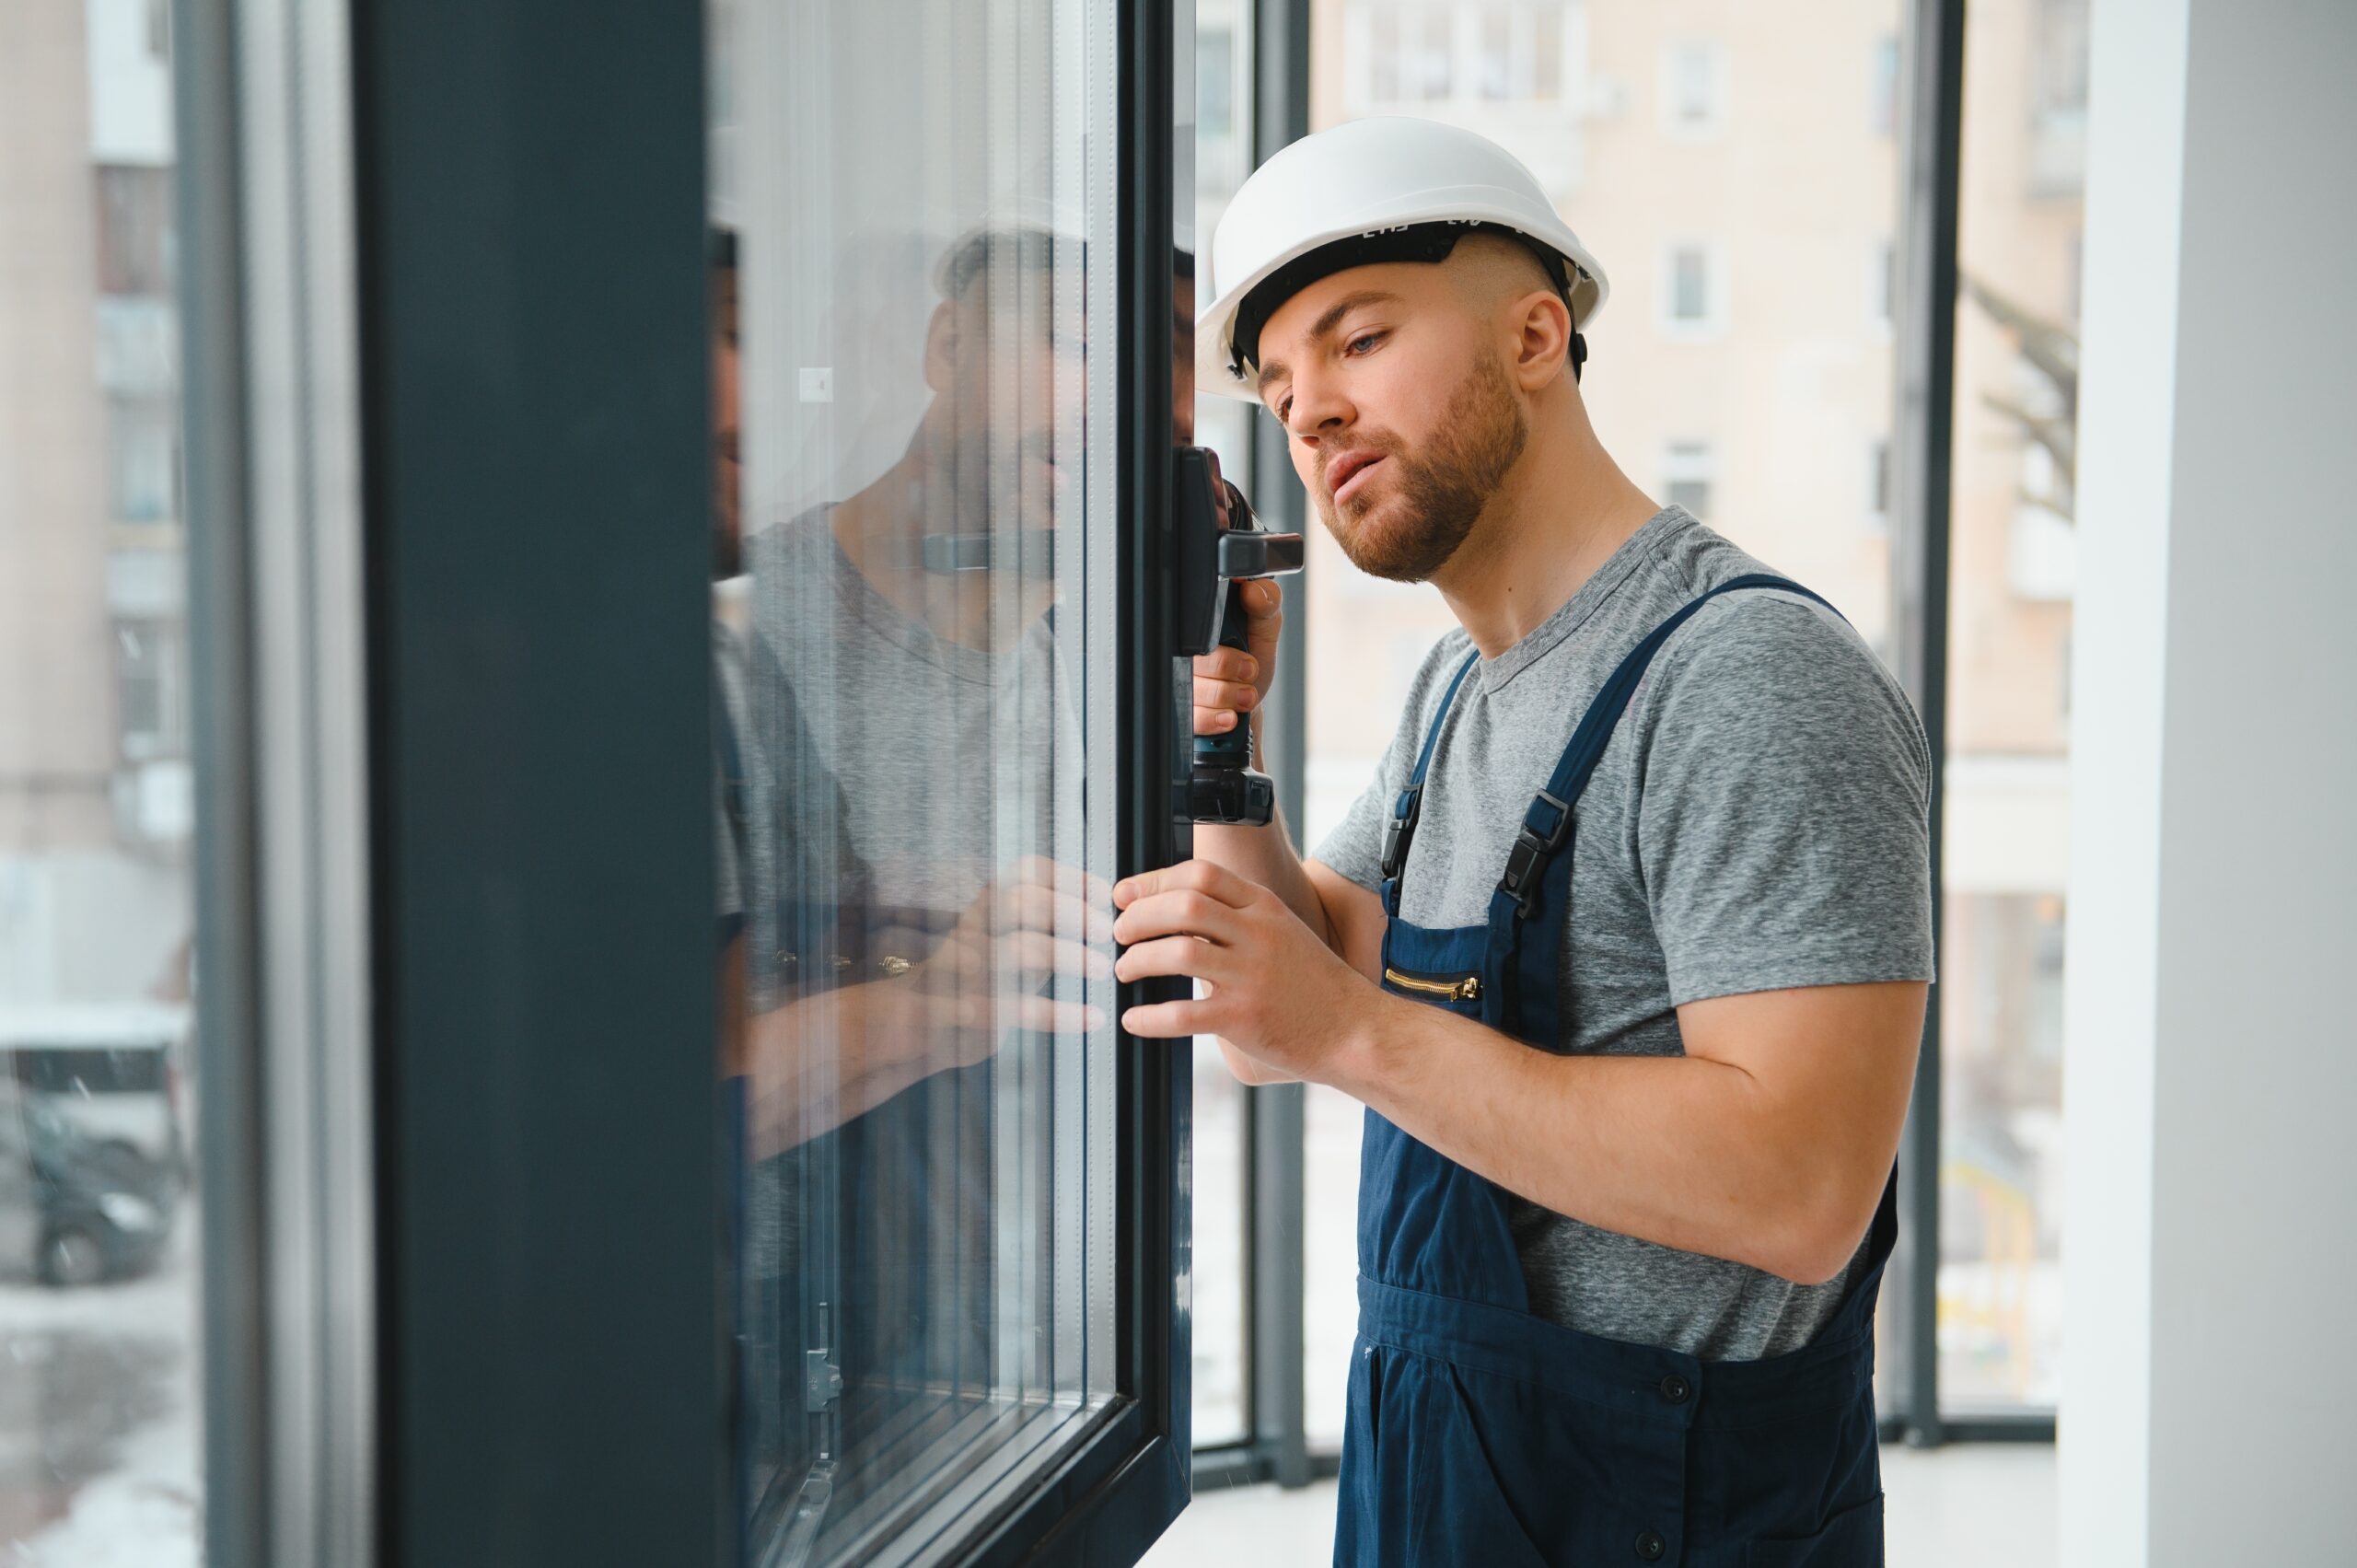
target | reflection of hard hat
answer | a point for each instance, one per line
(1367, 191)
(1028, 229)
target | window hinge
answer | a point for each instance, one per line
(822, 1381)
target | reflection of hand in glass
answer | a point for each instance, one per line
(997, 965)
(825, 1057)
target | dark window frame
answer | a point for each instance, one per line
(548, 1375)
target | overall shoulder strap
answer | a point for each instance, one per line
(1536, 888)
(1401, 832)
(1549, 819)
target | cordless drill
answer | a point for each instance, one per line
(1219, 545)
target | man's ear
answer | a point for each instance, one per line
(941, 347)
(1541, 324)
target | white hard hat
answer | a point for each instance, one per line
(1389, 188)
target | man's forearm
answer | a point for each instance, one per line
(823, 1058)
(1680, 1151)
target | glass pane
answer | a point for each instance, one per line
(2009, 706)
(99, 1408)
(1768, 419)
(1691, 85)
(914, 253)
(1690, 298)
(1223, 136)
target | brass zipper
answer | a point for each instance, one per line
(1466, 989)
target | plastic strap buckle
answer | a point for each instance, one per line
(1544, 828)
(1404, 812)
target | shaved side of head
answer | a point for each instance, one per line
(1492, 272)
(1490, 268)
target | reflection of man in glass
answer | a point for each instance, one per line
(817, 1035)
(908, 934)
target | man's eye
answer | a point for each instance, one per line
(1284, 409)
(1363, 341)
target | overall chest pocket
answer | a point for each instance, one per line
(1457, 990)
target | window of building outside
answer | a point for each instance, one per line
(1407, 53)
(100, 1412)
(1215, 83)
(1494, 58)
(1877, 510)
(1546, 52)
(1784, 455)
(1694, 87)
(1377, 77)
(142, 459)
(1432, 60)
(1882, 85)
(1690, 289)
(1687, 471)
(152, 667)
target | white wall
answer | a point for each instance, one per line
(2211, 1250)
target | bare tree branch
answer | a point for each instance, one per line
(2052, 351)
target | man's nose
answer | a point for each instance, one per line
(1319, 408)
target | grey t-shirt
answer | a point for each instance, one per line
(1757, 822)
(880, 765)
(952, 763)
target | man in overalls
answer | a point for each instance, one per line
(1625, 949)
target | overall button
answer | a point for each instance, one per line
(1650, 1545)
(1676, 1389)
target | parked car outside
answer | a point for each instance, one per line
(74, 1210)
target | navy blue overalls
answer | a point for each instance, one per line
(1484, 1436)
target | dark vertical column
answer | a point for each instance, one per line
(534, 347)
(1922, 444)
(1156, 1083)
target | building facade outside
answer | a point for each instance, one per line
(98, 1408)
(94, 781)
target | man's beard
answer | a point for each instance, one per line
(1442, 491)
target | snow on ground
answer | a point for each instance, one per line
(99, 1421)
(145, 1513)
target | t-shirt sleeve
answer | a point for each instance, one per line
(1355, 846)
(1783, 807)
